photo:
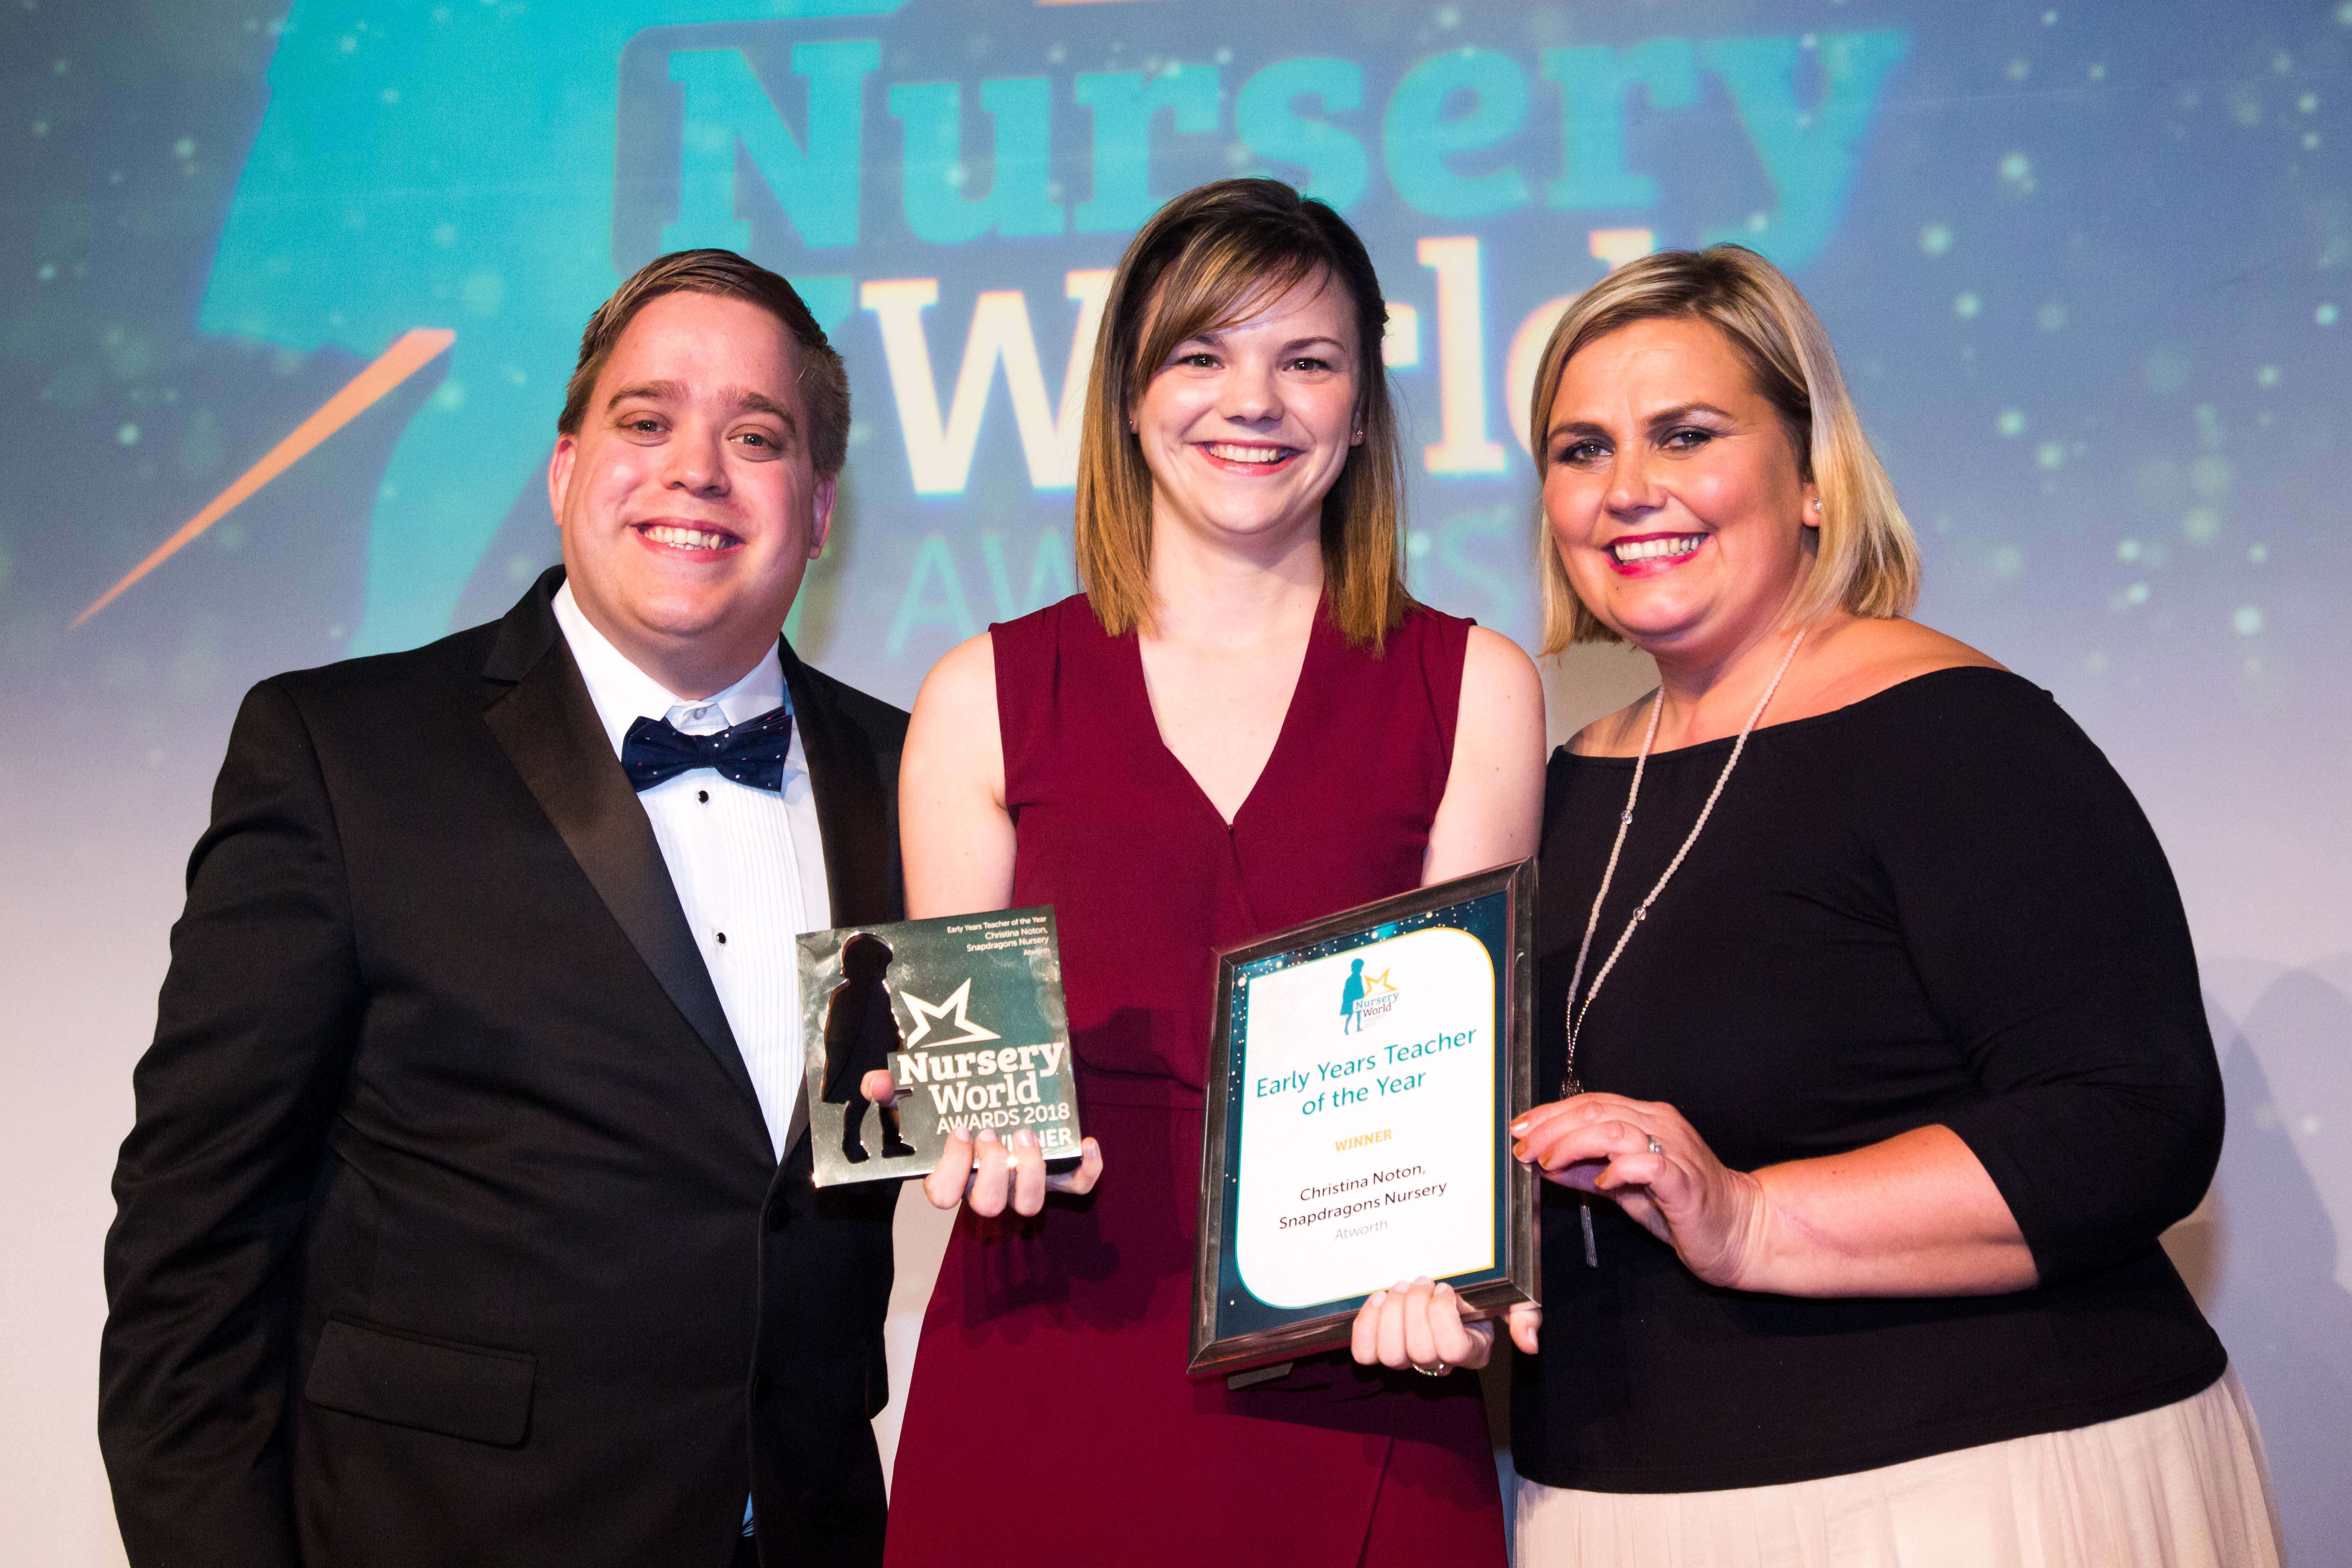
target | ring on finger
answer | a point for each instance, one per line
(1656, 1147)
(1440, 1369)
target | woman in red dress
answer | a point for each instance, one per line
(1244, 724)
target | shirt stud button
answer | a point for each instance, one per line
(703, 795)
(722, 939)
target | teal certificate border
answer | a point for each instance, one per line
(1231, 1328)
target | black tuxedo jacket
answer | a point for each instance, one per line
(449, 1231)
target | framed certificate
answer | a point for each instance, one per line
(1363, 1071)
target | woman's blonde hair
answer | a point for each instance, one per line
(1206, 260)
(1866, 562)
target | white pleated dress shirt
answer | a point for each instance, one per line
(748, 864)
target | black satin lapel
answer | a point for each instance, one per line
(548, 724)
(852, 818)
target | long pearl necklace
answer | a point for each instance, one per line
(1568, 1086)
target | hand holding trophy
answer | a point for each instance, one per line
(991, 1173)
(973, 1091)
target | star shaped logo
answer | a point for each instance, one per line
(950, 1012)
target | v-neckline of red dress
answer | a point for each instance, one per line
(1282, 737)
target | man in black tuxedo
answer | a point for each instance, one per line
(466, 1217)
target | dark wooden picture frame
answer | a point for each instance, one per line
(1218, 1345)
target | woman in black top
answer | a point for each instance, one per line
(1893, 1060)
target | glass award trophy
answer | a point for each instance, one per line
(964, 1012)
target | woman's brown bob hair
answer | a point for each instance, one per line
(1866, 561)
(1206, 260)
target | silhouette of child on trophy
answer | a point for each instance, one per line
(860, 1032)
(1349, 994)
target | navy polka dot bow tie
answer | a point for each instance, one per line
(751, 754)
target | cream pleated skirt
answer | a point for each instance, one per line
(2181, 1487)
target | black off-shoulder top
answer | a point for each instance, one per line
(1939, 905)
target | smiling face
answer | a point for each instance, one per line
(688, 502)
(1674, 495)
(1245, 428)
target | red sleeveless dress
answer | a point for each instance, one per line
(1050, 1421)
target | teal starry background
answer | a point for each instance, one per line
(2088, 266)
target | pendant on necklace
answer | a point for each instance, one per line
(1591, 1249)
